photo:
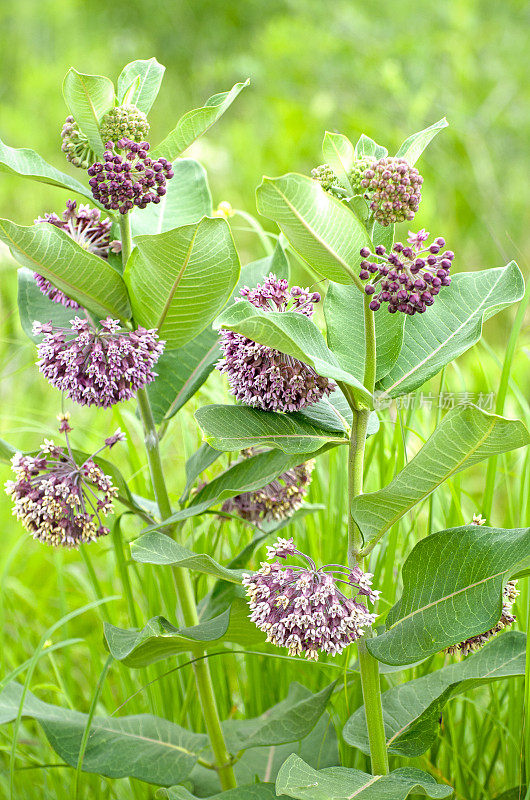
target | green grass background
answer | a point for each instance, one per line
(382, 68)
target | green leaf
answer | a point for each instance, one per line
(466, 436)
(141, 746)
(320, 228)
(147, 76)
(451, 326)
(452, 586)
(180, 280)
(181, 373)
(413, 147)
(367, 147)
(187, 200)
(411, 711)
(81, 275)
(28, 164)
(160, 639)
(237, 427)
(344, 312)
(319, 748)
(246, 475)
(158, 548)
(197, 463)
(89, 98)
(254, 791)
(196, 122)
(339, 153)
(34, 305)
(297, 779)
(293, 334)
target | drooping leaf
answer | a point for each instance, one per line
(147, 76)
(320, 228)
(181, 372)
(28, 164)
(141, 746)
(160, 639)
(414, 145)
(318, 748)
(7, 451)
(197, 463)
(196, 122)
(466, 436)
(34, 305)
(411, 711)
(293, 334)
(297, 779)
(452, 587)
(81, 275)
(367, 147)
(451, 326)
(339, 153)
(344, 312)
(253, 791)
(237, 427)
(187, 200)
(158, 548)
(246, 475)
(89, 98)
(180, 280)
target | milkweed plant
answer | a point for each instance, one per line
(138, 277)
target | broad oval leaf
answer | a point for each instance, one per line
(322, 229)
(237, 427)
(141, 746)
(196, 122)
(411, 711)
(158, 548)
(451, 326)
(339, 153)
(81, 275)
(147, 76)
(29, 164)
(345, 323)
(452, 587)
(200, 460)
(414, 145)
(89, 98)
(292, 334)
(160, 639)
(297, 779)
(180, 280)
(466, 436)
(187, 200)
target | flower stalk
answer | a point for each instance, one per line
(183, 584)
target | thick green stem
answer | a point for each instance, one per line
(368, 665)
(183, 584)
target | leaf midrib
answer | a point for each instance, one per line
(177, 280)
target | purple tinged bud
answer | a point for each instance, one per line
(365, 252)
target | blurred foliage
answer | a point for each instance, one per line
(383, 68)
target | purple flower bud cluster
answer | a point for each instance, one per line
(97, 366)
(410, 277)
(85, 226)
(75, 145)
(131, 179)
(302, 608)
(394, 189)
(278, 500)
(509, 596)
(124, 122)
(262, 377)
(58, 500)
